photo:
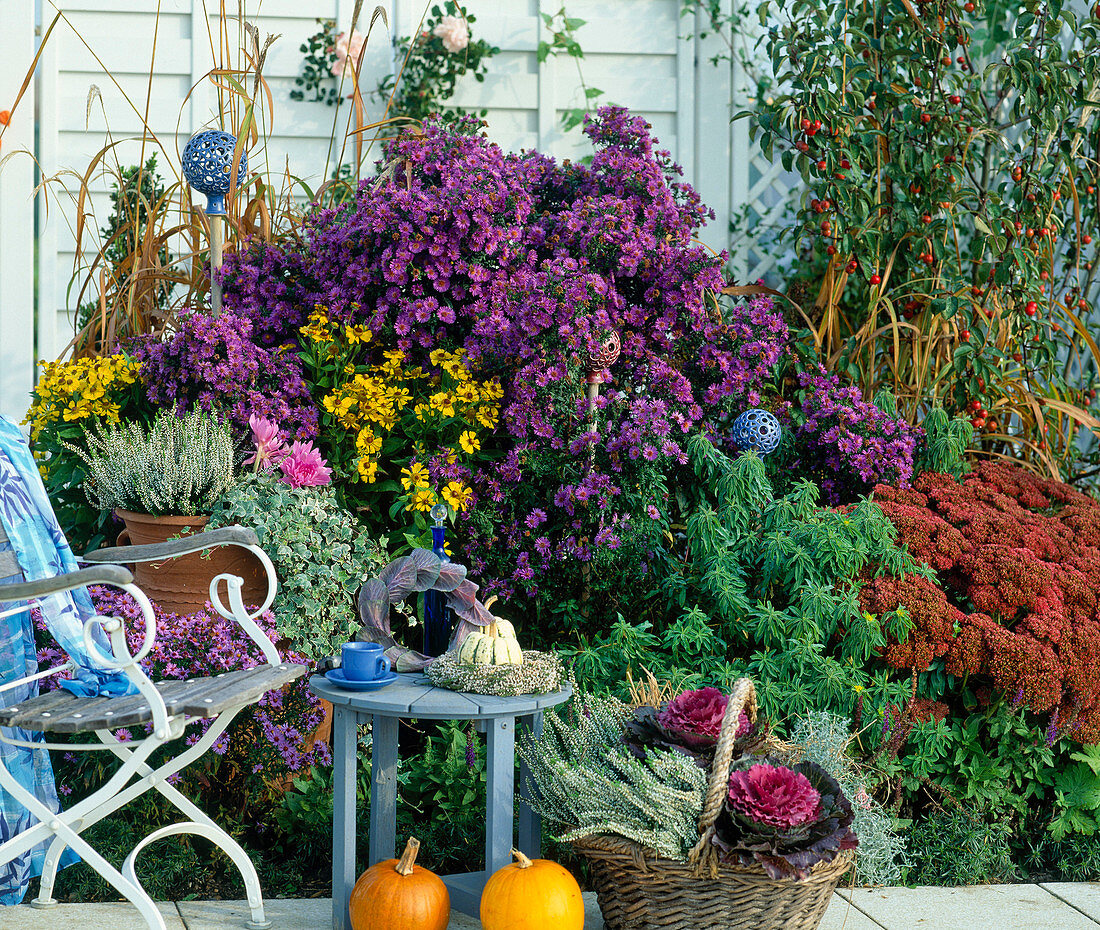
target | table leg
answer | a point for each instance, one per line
(345, 749)
(530, 824)
(500, 751)
(383, 798)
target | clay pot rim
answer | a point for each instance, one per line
(200, 518)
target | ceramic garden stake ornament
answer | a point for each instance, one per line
(599, 361)
(758, 430)
(208, 167)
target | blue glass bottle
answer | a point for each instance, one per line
(438, 617)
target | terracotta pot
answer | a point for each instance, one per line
(182, 585)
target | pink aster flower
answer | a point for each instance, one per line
(774, 796)
(304, 467)
(270, 446)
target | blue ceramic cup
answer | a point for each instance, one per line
(363, 661)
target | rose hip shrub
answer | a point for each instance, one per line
(1017, 560)
(946, 221)
(528, 265)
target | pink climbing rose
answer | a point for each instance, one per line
(454, 33)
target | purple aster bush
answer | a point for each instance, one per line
(848, 444)
(528, 264)
(269, 742)
(214, 364)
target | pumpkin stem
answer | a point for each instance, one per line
(408, 857)
(493, 628)
(521, 860)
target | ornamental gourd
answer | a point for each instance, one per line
(399, 893)
(532, 895)
(497, 645)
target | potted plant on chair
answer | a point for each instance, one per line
(162, 482)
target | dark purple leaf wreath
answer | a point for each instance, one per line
(421, 570)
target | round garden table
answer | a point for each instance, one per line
(413, 696)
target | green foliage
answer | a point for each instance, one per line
(321, 552)
(1077, 795)
(775, 579)
(315, 84)
(587, 781)
(945, 223)
(562, 30)
(960, 848)
(997, 761)
(946, 440)
(180, 465)
(430, 72)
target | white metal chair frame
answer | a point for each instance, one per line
(135, 776)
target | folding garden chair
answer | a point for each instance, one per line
(103, 666)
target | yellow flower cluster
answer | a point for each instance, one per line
(417, 483)
(79, 390)
(319, 328)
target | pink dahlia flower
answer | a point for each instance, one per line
(270, 445)
(304, 467)
(774, 796)
(699, 713)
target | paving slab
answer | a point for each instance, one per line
(985, 907)
(122, 916)
(843, 915)
(1085, 896)
(285, 914)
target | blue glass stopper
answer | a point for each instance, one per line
(758, 430)
(208, 164)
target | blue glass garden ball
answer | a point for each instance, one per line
(758, 430)
(208, 164)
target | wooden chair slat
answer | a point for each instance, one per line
(63, 712)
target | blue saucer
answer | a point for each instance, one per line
(337, 677)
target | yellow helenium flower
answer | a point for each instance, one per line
(423, 499)
(368, 443)
(456, 494)
(469, 441)
(368, 470)
(416, 475)
(357, 334)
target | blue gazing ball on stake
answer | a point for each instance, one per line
(208, 164)
(758, 430)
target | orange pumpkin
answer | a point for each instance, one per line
(532, 895)
(398, 893)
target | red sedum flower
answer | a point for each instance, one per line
(775, 796)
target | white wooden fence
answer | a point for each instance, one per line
(639, 52)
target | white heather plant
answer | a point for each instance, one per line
(178, 466)
(587, 781)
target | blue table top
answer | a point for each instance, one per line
(413, 695)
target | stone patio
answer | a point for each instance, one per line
(991, 907)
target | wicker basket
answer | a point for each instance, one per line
(638, 890)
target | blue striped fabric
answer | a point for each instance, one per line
(42, 552)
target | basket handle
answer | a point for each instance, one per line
(743, 698)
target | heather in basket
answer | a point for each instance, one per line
(785, 818)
